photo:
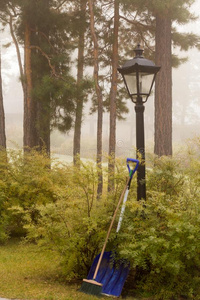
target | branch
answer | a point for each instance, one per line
(49, 62)
(136, 23)
(46, 37)
(3, 19)
(107, 4)
(12, 9)
(61, 4)
(47, 57)
(17, 50)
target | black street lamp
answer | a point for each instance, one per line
(139, 75)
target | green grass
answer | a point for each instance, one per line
(29, 273)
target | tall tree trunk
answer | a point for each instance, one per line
(113, 95)
(39, 71)
(30, 136)
(99, 99)
(43, 127)
(29, 123)
(79, 102)
(163, 87)
(2, 116)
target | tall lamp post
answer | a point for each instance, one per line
(139, 75)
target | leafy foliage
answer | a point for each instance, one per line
(73, 225)
(27, 181)
(57, 207)
(161, 237)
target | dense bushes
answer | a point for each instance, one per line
(76, 224)
(57, 208)
(163, 243)
(25, 182)
(161, 238)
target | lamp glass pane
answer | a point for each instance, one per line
(131, 83)
(145, 81)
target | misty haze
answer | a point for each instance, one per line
(186, 106)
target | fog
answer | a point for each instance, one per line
(186, 106)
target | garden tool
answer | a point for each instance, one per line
(107, 276)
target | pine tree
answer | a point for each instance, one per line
(99, 96)
(163, 86)
(47, 85)
(80, 77)
(165, 15)
(112, 33)
(158, 21)
(113, 97)
(29, 124)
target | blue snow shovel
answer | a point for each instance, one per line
(107, 271)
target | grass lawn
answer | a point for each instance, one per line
(29, 273)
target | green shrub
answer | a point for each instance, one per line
(57, 207)
(4, 200)
(76, 224)
(161, 237)
(25, 182)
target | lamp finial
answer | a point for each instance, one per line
(138, 51)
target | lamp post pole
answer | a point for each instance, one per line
(139, 75)
(140, 149)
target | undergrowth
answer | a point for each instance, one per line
(58, 209)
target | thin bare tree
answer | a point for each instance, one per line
(99, 96)
(113, 95)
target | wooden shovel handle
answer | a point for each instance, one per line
(109, 230)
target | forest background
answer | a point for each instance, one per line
(60, 206)
(185, 105)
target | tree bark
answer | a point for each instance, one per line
(43, 127)
(41, 55)
(163, 87)
(79, 102)
(99, 99)
(113, 95)
(29, 109)
(2, 116)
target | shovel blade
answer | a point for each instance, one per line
(112, 274)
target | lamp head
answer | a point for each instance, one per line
(139, 75)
